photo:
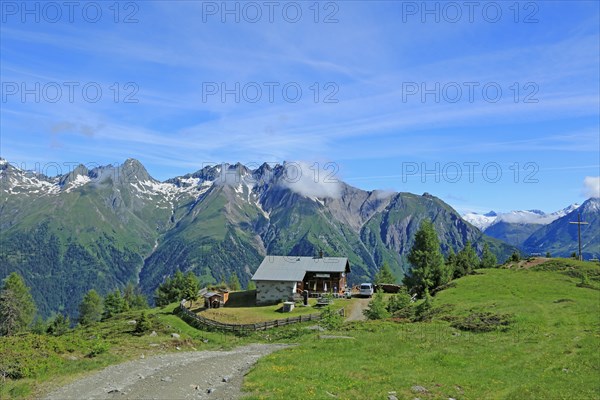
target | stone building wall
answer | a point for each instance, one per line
(272, 292)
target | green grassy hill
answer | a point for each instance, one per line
(36, 364)
(549, 351)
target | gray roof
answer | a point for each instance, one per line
(293, 269)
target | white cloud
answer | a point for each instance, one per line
(384, 194)
(526, 217)
(312, 180)
(591, 186)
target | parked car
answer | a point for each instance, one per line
(366, 289)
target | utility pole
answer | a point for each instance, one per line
(579, 223)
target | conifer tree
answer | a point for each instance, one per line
(234, 282)
(384, 275)
(428, 267)
(466, 261)
(17, 307)
(91, 308)
(488, 259)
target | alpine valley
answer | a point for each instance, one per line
(106, 226)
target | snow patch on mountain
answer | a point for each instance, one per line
(79, 181)
(481, 221)
(592, 205)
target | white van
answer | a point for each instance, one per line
(366, 289)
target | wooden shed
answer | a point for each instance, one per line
(214, 299)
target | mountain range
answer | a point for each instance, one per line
(530, 217)
(106, 226)
(534, 231)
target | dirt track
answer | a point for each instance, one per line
(188, 375)
(356, 313)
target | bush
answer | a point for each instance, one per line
(400, 305)
(377, 308)
(98, 348)
(143, 324)
(59, 325)
(331, 319)
(483, 322)
(423, 310)
(515, 257)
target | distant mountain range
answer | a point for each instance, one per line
(533, 217)
(560, 237)
(104, 227)
(537, 232)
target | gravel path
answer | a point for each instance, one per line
(356, 313)
(187, 375)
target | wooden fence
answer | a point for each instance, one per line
(203, 323)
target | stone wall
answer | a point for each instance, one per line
(272, 292)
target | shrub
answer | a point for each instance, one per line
(143, 324)
(515, 257)
(377, 308)
(423, 310)
(98, 348)
(59, 325)
(331, 319)
(400, 305)
(483, 322)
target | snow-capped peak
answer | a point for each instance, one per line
(566, 210)
(483, 221)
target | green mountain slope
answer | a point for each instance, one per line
(107, 226)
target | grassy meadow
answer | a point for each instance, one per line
(551, 350)
(241, 309)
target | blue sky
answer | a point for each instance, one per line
(388, 110)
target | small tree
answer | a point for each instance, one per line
(234, 282)
(251, 285)
(38, 326)
(17, 307)
(190, 288)
(548, 255)
(91, 308)
(515, 256)
(488, 259)
(399, 305)
(59, 325)
(574, 255)
(466, 261)
(331, 319)
(171, 290)
(451, 261)
(134, 298)
(428, 267)
(384, 275)
(114, 304)
(377, 308)
(423, 309)
(143, 324)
